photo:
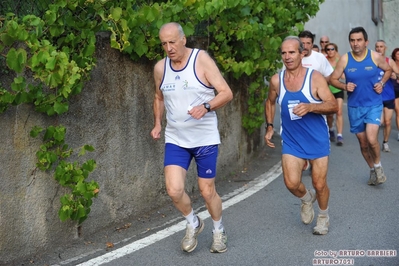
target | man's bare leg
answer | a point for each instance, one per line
(175, 177)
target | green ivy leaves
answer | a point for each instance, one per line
(116, 13)
(16, 59)
(58, 48)
(53, 154)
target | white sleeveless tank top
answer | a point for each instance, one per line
(181, 90)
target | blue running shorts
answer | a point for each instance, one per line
(361, 115)
(205, 158)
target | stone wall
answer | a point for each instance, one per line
(113, 114)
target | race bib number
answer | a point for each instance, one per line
(291, 110)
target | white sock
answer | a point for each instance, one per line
(323, 212)
(339, 135)
(377, 165)
(217, 225)
(192, 219)
(307, 197)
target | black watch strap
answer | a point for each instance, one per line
(207, 107)
(269, 125)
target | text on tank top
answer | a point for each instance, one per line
(364, 73)
(181, 90)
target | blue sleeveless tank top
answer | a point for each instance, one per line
(364, 73)
(388, 92)
(303, 137)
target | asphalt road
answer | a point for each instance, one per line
(263, 222)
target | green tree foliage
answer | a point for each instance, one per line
(56, 44)
(244, 38)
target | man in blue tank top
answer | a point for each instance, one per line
(364, 86)
(185, 84)
(304, 99)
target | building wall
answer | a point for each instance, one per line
(337, 17)
(389, 29)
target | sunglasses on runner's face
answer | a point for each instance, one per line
(330, 49)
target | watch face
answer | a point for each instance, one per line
(207, 106)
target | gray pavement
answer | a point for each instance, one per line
(265, 228)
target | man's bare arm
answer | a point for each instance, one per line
(329, 104)
(270, 109)
(395, 69)
(215, 79)
(270, 103)
(320, 91)
(208, 72)
(338, 72)
(158, 104)
(381, 63)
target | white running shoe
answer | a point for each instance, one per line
(385, 147)
(219, 244)
(189, 242)
(381, 178)
(323, 222)
(307, 211)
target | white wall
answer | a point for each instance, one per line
(337, 17)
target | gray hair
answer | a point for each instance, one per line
(177, 25)
(381, 41)
(296, 39)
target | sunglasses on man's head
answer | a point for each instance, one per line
(324, 41)
(330, 49)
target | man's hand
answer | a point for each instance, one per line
(378, 87)
(156, 133)
(350, 86)
(268, 137)
(302, 109)
(197, 112)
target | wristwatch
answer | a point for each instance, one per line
(269, 124)
(207, 106)
(382, 83)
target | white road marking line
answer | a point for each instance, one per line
(237, 196)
